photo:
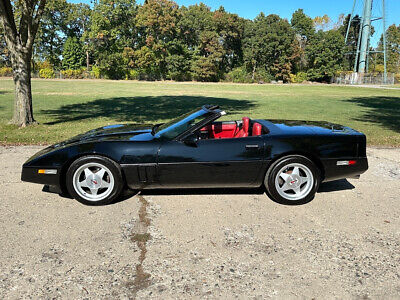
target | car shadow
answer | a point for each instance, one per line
(326, 187)
(145, 109)
(333, 186)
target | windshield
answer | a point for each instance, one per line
(179, 125)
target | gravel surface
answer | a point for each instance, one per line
(203, 244)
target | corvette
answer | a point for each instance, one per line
(289, 158)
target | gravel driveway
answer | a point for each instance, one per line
(203, 244)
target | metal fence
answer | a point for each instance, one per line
(364, 78)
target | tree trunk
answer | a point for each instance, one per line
(254, 71)
(23, 112)
(87, 61)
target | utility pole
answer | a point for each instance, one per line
(365, 35)
(363, 42)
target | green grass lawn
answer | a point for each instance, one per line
(66, 108)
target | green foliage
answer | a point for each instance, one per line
(205, 69)
(74, 74)
(95, 72)
(262, 75)
(299, 77)
(325, 55)
(6, 72)
(132, 75)
(111, 67)
(269, 45)
(73, 54)
(302, 24)
(239, 75)
(46, 73)
(397, 78)
(160, 40)
(393, 48)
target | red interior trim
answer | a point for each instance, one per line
(220, 130)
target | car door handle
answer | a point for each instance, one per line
(252, 146)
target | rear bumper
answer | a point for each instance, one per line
(335, 172)
(31, 174)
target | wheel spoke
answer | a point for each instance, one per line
(285, 187)
(297, 190)
(100, 173)
(83, 183)
(88, 172)
(93, 191)
(105, 184)
(303, 180)
(296, 171)
(284, 176)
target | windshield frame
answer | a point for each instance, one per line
(185, 118)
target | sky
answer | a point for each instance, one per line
(333, 8)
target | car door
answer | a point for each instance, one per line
(232, 162)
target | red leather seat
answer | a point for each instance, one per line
(257, 129)
(244, 132)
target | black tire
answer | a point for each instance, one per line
(276, 167)
(113, 167)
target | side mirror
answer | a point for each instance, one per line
(191, 140)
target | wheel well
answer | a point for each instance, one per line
(68, 163)
(310, 156)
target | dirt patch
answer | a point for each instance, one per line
(142, 279)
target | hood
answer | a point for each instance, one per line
(120, 129)
(121, 132)
(307, 127)
(113, 132)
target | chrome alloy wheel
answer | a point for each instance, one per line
(294, 181)
(93, 181)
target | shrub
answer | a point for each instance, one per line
(298, 78)
(397, 78)
(46, 73)
(6, 71)
(239, 75)
(132, 75)
(111, 66)
(95, 72)
(74, 74)
(73, 54)
(263, 76)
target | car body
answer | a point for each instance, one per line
(197, 151)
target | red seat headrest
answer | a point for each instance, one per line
(246, 124)
(257, 129)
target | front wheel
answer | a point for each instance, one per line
(292, 180)
(94, 180)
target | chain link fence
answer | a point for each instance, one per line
(364, 78)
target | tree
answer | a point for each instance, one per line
(51, 33)
(73, 54)
(392, 48)
(322, 22)
(325, 55)
(157, 21)
(20, 36)
(303, 26)
(112, 29)
(269, 45)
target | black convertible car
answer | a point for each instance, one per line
(290, 158)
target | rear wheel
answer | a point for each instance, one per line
(292, 180)
(94, 180)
